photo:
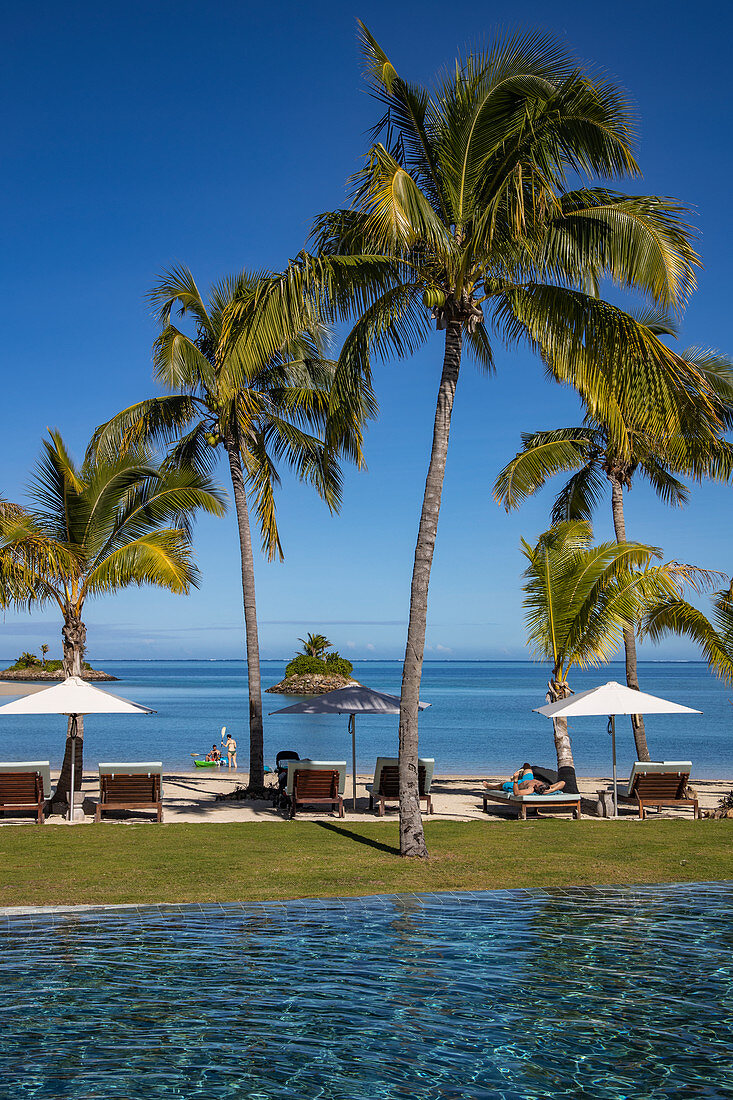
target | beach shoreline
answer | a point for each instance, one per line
(190, 797)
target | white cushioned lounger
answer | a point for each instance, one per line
(522, 801)
(427, 762)
(509, 796)
(664, 767)
(131, 785)
(134, 767)
(316, 766)
(42, 766)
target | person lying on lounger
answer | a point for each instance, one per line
(536, 786)
(521, 776)
(524, 782)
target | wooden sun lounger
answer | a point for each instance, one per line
(386, 785)
(22, 790)
(524, 802)
(132, 787)
(314, 785)
(655, 785)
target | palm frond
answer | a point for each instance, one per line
(639, 241)
(668, 488)
(398, 214)
(179, 364)
(627, 378)
(579, 597)
(177, 287)
(157, 421)
(581, 494)
(541, 459)
(167, 497)
(676, 616)
(160, 558)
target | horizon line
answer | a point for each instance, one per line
(369, 660)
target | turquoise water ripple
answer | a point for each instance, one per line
(597, 993)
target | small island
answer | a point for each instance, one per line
(30, 667)
(315, 671)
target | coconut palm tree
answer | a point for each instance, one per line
(315, 645)
(595, 458)
(92, 530)
(579, 599)
(463, 219)
(715, 638)
(257, 404)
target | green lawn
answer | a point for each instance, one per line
(57, 865)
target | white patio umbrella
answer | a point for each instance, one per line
(75, 698)
(352, 700)
(611, 699)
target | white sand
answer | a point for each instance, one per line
(191, 797)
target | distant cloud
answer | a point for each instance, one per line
(443, 649)
(370, 647)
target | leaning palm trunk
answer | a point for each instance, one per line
(412, 836)
(632, 678)
(559, 689)
(256, 736)
(74, 637)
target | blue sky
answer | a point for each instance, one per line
(142, 135)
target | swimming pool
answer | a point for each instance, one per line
(515, 994)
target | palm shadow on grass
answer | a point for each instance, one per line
(390, 849)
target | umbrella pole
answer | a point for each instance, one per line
(352, 723)
(612, 724)
(73, 763)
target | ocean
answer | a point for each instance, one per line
(480, 720)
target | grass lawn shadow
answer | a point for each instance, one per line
(358, 837)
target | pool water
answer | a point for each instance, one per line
(514, 994)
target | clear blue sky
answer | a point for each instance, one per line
(150, 133)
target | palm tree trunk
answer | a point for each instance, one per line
(632, 678)
(559, 689)
(412, 836)
(256, 735)
(74, 638)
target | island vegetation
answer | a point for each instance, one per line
(28, 666)
(314, 670)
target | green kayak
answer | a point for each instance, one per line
(205, 763)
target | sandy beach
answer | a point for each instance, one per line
(192, 797)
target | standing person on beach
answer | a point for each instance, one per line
(232, 751)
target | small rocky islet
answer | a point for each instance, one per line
(311, 683)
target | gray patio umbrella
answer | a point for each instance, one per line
(75, 698)
(352, 700)
(611, 699)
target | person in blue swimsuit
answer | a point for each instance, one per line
(521, 777)
(524, 782)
